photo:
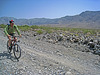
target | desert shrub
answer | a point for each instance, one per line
(24, 27)
(39, 31)
(34, 27)
(2, 26)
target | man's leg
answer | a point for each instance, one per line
(16, 38)
(9, 43)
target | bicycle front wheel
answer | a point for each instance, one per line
(17, 51)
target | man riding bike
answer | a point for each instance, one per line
(10, 31)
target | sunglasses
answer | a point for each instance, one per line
(12, 22)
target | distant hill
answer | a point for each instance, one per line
(87, 19)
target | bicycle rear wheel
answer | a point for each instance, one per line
(17, 51)
(8, 47)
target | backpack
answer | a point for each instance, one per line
(8, 26)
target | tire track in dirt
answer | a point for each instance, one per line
(74, 65)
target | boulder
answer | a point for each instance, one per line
(76, 40)
(91, 45)
(86, 42)
(97, 52)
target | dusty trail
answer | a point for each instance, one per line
(42, 60)
(66, 62)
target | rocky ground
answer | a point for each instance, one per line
(52, 54)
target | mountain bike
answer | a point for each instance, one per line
(15, 47)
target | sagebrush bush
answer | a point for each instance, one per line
(39, 31)
(2, 26)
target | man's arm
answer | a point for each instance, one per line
(17, 30)
(5, 30)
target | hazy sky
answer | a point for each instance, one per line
(46, 8)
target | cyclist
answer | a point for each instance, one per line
(10, 31)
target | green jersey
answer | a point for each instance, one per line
(9, 30)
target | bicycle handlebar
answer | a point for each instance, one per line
(15, 36)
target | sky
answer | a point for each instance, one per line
(46, 8)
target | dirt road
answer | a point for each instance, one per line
(42, 58)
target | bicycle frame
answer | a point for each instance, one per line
(14, 41)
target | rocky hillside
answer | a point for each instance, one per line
(56, 53)
(87, 19)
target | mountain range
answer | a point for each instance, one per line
(87, 19)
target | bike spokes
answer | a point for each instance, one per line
(17, 51)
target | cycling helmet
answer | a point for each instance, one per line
(11, 21)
